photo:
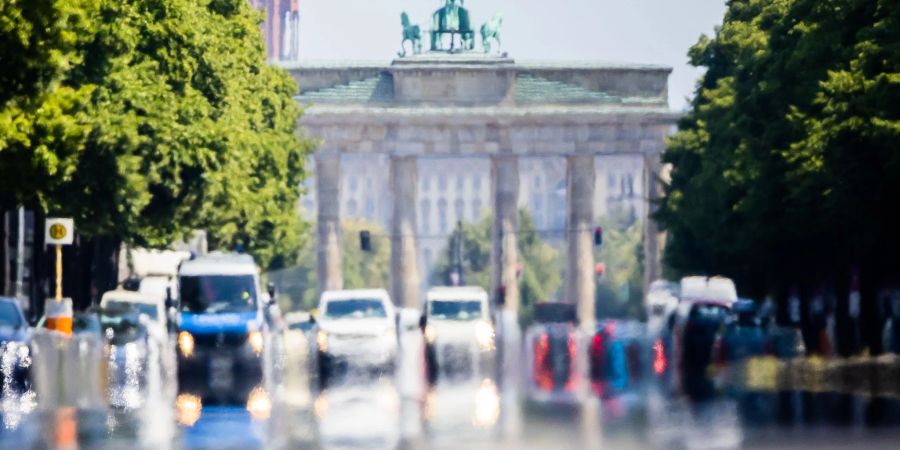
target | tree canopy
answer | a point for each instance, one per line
(785, 170)
(145, 119)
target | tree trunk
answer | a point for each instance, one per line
(77, 259)
(39, 262)
(105, 266)
(5, 284)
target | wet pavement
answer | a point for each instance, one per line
(361, 411)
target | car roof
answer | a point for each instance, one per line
(457, 293)
(217, 263)
(121, 295)
(350, 294)
(297, 317)
(711, 289)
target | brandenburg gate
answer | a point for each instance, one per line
(470, 103)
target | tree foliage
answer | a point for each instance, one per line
(620, 288)
(786, 168)
(168, 119)
(42, 132)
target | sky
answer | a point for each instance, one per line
(631, 31)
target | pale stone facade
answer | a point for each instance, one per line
(447, 134)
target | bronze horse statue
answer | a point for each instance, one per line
(452, 19)
(491, 30)
(411, 33)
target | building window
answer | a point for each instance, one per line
(476, 182)
(611, 180)
(476, 209)
(442, 215)
(460, 183)
(370, 207)
(353, 184)
(426, 184)
(442, 183)
(459, 208)
(428, 258)
(631, 185)
(425, 224)
(537, 182)
(351, 207)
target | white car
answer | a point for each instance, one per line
(356, 328)
(458, 332)
(150, 306)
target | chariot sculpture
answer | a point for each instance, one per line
(450, 19)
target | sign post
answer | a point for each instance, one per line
(59, 232)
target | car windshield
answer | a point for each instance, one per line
(354, 309)
(455, 309)
(147, 309)
(705, 313)
(9, 315)
(218, 293)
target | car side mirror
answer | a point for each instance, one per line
(272, 291)
(423, 321)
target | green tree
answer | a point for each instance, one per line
(620, 289)
(541, 265)
(41, 124)
(785, 171)
(185, 127)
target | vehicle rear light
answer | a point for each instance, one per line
(597, 356)
(720, 351)
(573, 372)
(543, 375)
(659, 357)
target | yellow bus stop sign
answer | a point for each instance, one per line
(59, 231)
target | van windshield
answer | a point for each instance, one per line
(455, 310)
(218, 293)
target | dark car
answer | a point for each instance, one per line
(14, 347)
(618, 357)
(552, 348)
(743, 335)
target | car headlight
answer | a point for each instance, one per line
(484, 333)
(389, 334)
(430, 334)
(186, 343)
(322, 340)
(256, 341)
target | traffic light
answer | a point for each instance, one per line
(365, 241)
(598, 236)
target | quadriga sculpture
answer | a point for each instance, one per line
(411, 33)
(491, 30)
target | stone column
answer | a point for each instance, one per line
(580, 181)
(404, 268)
(328, 222)
(505, 198)
(652, 192)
